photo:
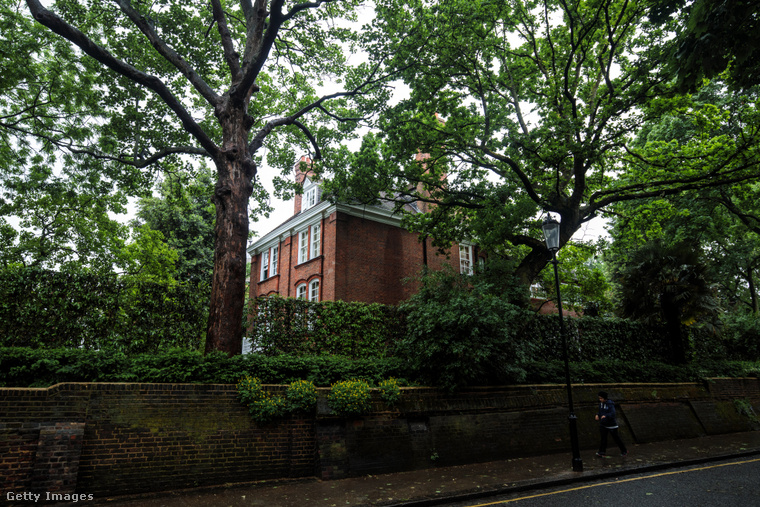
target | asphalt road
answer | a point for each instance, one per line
(727, 483)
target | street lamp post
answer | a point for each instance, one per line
(551, 235)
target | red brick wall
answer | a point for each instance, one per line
(143, 437)
(116, 439)
(362, 260)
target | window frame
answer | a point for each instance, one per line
(269, 259)
(302, 294)
(264, 265)
(314, 286)
(303, 246)
(274, 257)
(315, 242)
(466, 266)
(310, 197)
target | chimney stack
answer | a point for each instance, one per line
(303, 162)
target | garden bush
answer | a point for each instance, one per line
(350, 398)
(460, 333)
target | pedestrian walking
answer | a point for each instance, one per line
(608, 425)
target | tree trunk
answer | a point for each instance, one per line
(531, 265)
(752, 291)
(537, 259)
(235, 172)
(677, 339)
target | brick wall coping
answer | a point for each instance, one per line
(68, 386)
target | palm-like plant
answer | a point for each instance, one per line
(666, 284)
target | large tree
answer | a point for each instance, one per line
(713, 37)
(722, 222)
(526, 106)
(216, 80)
(668, 285)
(56, 209)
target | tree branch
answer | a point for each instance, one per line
(515, 169)
(230, 55)
(164, 50)
(68, 32)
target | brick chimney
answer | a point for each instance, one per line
(303, 163)
(422, 205)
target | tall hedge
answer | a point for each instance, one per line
(292, 326)
(593, 338)
(50, 309)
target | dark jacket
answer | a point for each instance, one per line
(607, 414)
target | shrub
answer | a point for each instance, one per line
(27, 367)
(741, 336)
(350, 397)
(263, 406)
(301, 396)
(460, 333)
(250, 389)
(268, 408)
(49, 309)
(390, 392)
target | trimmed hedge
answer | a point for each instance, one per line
(50, 309)
(26, 367)
(617, 371)
(279, 325)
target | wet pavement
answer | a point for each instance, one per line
(429, 487)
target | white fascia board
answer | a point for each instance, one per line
(289, 228)
(374, 213)
(322, 210)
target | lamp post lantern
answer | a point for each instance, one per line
(551, 235)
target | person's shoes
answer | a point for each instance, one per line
(601, 455)
(624, 454)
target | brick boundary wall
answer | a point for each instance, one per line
(138, 438)
(116, 439)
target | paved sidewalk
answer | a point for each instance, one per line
(429, 487)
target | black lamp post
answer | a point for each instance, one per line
(551, 234)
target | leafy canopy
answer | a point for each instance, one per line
(522, 107)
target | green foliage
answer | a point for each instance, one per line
(390, 392)
(26, 367)
(584, 282)
(249, 389)
(268, 408)
(290, 326)
(350, 397)
(623, 370)
(461, 333)
(714, 37)
(150, 87)
(745, 408)
(722, 222)
(667, 284)
(263, 406)
(23, 366)
(147, 257)
(40, 308)
(301, 395)
(184, 214)
(740, 335)
(592, 338)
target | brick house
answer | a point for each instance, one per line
(344, 252)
